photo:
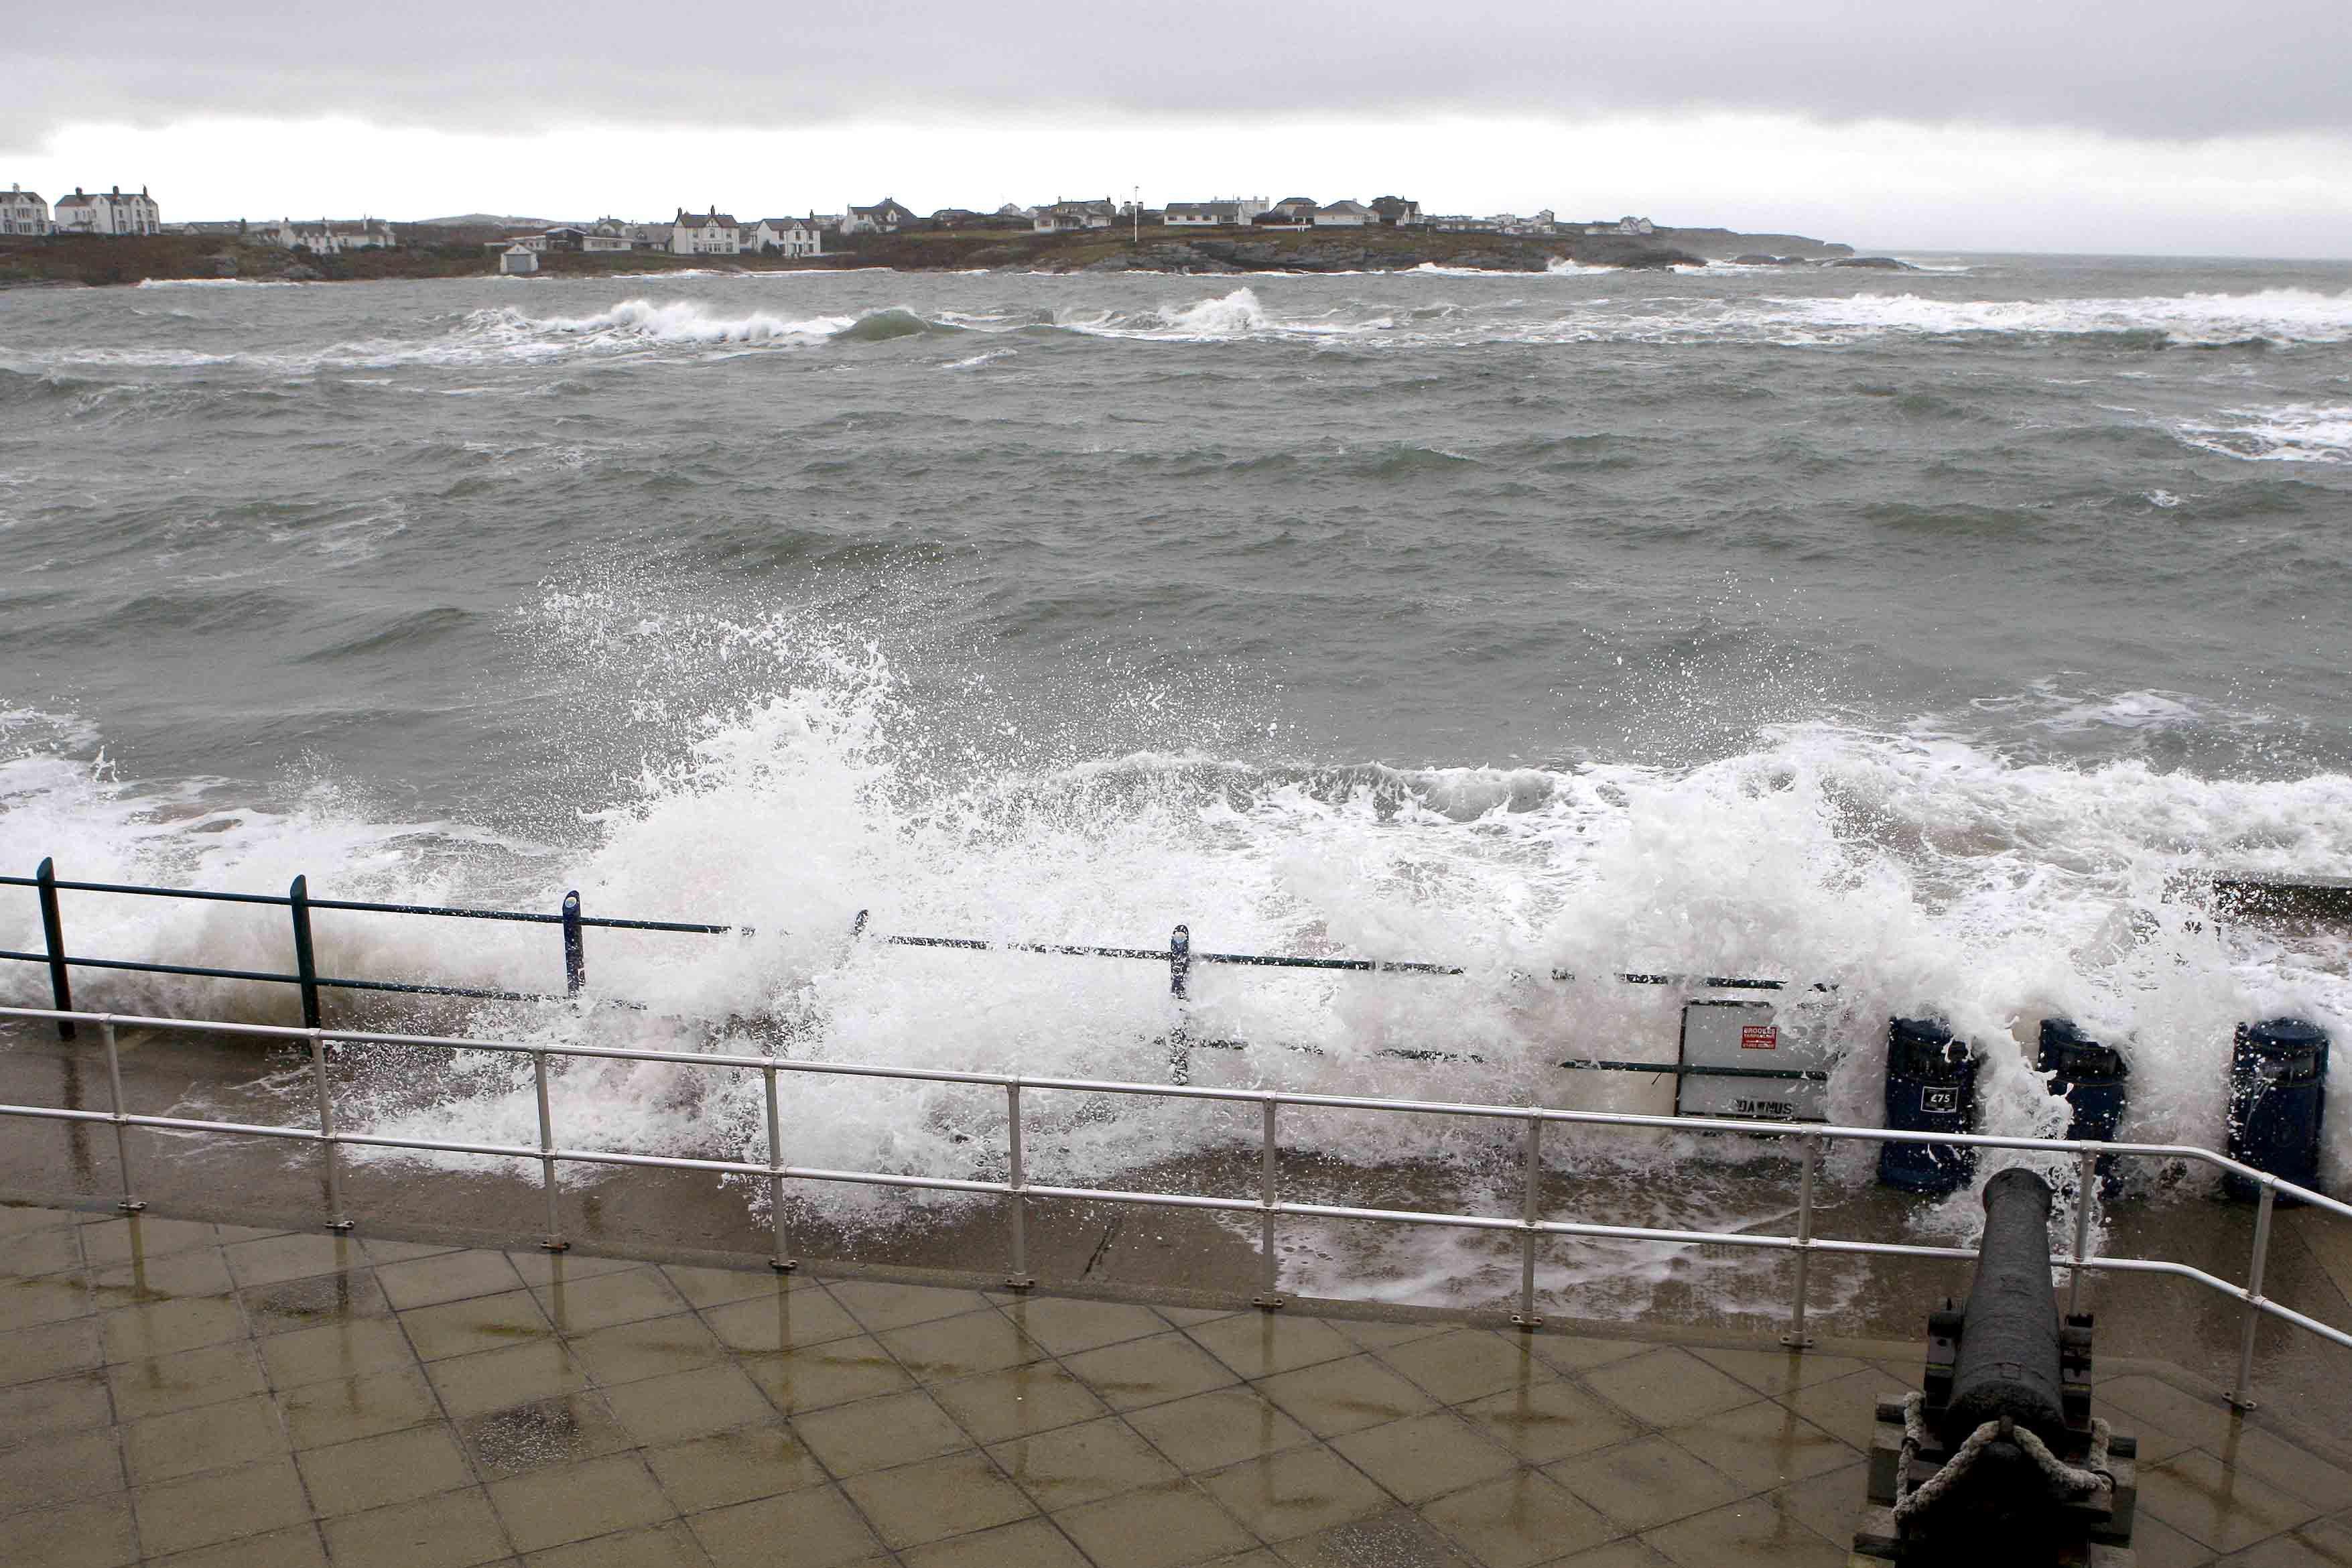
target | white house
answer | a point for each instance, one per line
(713, 232)
(1344, 215)
(108, 212)
(331, 237)
(885, 217)
(786, 236)
(23, 212)
(517, 260)
(1623, 226)
(1056, 217)
(1544, 222)
(1223, 212)
(607, 233)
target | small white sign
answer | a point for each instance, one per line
(1744, 1043)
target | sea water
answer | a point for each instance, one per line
(1908, 634)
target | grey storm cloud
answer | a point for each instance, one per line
(2148, 68)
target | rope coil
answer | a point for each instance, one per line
(2073, 1482)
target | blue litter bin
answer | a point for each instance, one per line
(2278, 1098)
(2094, 1080)
(1931, 1087)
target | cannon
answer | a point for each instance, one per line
(1998, 1453)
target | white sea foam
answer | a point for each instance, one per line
(218, 283)
(682, 322)
(1916, 873)
(2296, 433)
(2280, 315)
(2284, 316)
(1237, 314)
(1307, 313)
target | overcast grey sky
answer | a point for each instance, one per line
(2158, 124)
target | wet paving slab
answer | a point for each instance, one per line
(431, 1387)
(180, 1388)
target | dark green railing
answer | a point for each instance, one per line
(1179, 955)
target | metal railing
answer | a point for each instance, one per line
(1179, 955)
(1018, 1192)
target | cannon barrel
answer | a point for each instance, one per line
(2007, 1361)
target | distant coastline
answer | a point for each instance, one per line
(99, 261)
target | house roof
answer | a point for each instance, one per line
(28, 196)
(783, 222)
(706, 220)
(1356, 207)
(1297, 201)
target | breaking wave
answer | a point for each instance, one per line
(2299, 433)
(1912, 871)
(2277, 316)
(218, 283)
(1658, 314)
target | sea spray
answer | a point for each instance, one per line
(1911, 876)
(1825, 624)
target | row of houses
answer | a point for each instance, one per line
(24, 214)
(714, 233)
(1543, 223)
(1230, 212)
(710, 233)
(114, 212)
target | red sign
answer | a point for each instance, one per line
(1759, 1037)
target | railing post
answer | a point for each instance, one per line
(1797, 1338)
(1019, 1278)
(782, 1260)
(128, 1203)
(575, 953)
(306, 962)
(332, 1145)
(1269, 1294)
(1531, 1211)
(553, 1241)
(53, 934)
(2243, 1396)
(2085, 1171)
(1180, 975)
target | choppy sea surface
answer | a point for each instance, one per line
(1908, 632)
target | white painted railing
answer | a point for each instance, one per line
(1017, 1190)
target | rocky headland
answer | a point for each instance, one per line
(429, 251)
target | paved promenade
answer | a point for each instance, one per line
(183, 1393)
